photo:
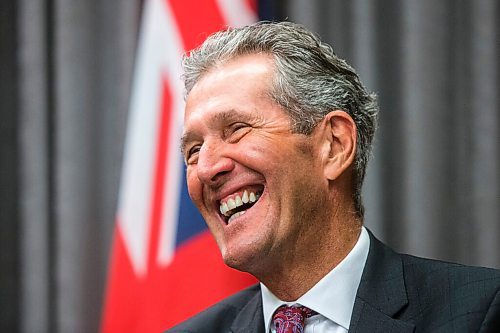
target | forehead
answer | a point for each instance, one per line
(240, 85)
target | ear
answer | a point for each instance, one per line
(339, 143)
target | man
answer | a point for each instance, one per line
(277, 136)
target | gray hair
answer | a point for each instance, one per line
(310, 81)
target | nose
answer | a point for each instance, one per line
(213, 164)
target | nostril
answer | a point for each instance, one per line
(223, 167)
(219, 175)
(212, 168)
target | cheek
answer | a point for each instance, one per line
(260, 155)
(194, 186)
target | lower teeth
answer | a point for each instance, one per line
(235, 215)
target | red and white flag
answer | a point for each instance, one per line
(164, 265)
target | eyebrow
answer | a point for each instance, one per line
(226, 116)
(186, 137)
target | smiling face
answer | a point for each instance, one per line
(259, 186)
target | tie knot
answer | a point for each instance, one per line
(291, 319)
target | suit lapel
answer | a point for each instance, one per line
(381, 293)
(251, 318)
(381, 296)
(366, 318)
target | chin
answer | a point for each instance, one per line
(241, 259)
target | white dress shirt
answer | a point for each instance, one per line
(332, 297)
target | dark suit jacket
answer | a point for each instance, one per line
(397, 293)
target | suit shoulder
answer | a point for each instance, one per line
(218, 317)
(448, 288)
(434, 271)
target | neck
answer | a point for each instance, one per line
(298, 271)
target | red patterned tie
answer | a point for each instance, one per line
(290, 319)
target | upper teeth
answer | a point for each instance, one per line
(237, 201)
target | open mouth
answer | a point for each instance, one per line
(238, 203)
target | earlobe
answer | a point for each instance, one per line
(340, 143)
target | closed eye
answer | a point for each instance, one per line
(192, 155)
(237, 126)
(236, 131)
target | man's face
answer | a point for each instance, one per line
(258, 185)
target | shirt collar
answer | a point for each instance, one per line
(334, 295)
